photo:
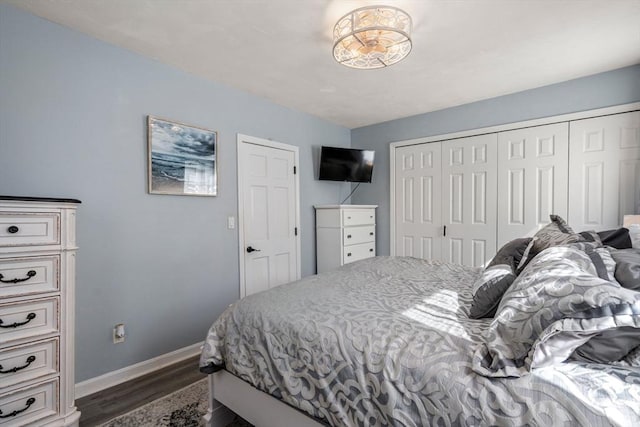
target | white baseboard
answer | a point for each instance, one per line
(104, 381)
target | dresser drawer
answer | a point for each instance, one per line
(23, 276)
(358, 217)
(28, 362)
(356, 235)
(30, 404)
(358, 252)
(31, 319)
(27, 229)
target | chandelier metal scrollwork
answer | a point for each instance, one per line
(372, 37)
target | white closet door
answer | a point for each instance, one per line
(604, 171)
(533, 175)
(469, 173)
(418, 189)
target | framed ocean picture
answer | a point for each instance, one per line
(182, 159)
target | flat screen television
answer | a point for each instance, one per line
(346, 164)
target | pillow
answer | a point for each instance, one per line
(561, 224)
(489, 288)
(627, 271)
(634, 234)
(514, 249)
(496, 278)
(553, 308)
(557, 232)
(618, 239)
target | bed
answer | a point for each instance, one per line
(390, 341)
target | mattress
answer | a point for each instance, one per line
(389, 341)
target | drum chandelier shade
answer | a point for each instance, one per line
(372, 37)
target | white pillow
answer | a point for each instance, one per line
(634, 233)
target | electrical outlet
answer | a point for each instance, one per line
(118, 333)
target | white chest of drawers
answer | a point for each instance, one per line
(344, 233)
(37, 298)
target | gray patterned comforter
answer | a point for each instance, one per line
(388, 341)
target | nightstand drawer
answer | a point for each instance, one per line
(29, 319)
(28, 362)
(24, 276)
(356, 235)
(30, 404)
(358, 217)
(27, 229)
(358, 252)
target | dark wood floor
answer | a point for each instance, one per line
(106, 404)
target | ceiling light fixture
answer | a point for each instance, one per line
(372, 37)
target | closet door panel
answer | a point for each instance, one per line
(469, 174)
(532, 178)
(604, 169)
(418, 189)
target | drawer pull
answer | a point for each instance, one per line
(371, 234)
(30, 317)
(13, 229)
(348, 236)
(349, 254)
(30, 274)
(30, 402)
(370, 250)
(30, 360)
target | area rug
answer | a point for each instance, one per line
(182, 408)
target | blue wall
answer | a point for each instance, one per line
(600, 90)
(73, 124)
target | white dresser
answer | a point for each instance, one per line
(37, 298)
(344, 233)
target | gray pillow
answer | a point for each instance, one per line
(489, 288)
(497, 277)
(511, 250)
(557, 232)
(627, 271)
(561, 224)
(618, 238)
(554, 307)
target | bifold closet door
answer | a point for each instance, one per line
(532, 178)
(469, 174)
(418, 186)
(604, 170)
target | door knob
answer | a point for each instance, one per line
(250, 249)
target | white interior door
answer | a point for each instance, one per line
(418, 187)
(469, 174)
(533, 178)
(269, 214)
(604, 181)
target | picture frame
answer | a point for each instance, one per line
(182, 159)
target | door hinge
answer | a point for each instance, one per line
(294, 170)
(295, 231)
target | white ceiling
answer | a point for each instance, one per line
(463, 50)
